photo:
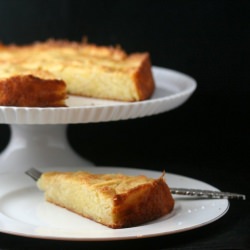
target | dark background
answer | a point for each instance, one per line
(206, 138)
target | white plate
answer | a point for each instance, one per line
(24, 212)
(172, 90)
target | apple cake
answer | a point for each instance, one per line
(80, 68)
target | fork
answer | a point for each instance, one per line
(200, 193)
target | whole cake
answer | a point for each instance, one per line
(114, 200)
(83, 69)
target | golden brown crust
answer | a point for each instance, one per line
(114, 200)
(87, 69)
(144, 75)
(31, 91)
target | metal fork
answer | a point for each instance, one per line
(198, 193)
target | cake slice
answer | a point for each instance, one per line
(87, 69)
(114, 200)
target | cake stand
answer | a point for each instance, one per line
(38, 135)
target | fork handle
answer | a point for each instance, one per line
(207, 193)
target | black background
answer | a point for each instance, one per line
(206, 138)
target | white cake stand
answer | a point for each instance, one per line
(38, 135)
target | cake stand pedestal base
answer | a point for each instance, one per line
(39, 146)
